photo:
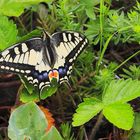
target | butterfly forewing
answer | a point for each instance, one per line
(22, 54)
(25, 58)
(68, 46)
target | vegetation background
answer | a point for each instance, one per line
(103, 102)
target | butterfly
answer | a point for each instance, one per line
(40, 59)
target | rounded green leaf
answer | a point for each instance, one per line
(121, 91)
(121, 115)
(86, 111)
(26, 97)
(27, 121)
(16, 7)
(48, 91)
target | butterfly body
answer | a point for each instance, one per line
(41, 59)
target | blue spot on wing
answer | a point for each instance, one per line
(45, 74)
(62, 71)
(35, 74)
(42, 77)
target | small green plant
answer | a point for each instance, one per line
(29, 122)
(133, 72)
(124, 27)
(113, 104)
(135, 135)
(66, 131)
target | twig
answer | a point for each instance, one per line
(5, 107)
(86, 138)
(85, 78)
(9, 84)
(96, 127)
(22, 25)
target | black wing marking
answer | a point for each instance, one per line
(68, 46)
(27, 59)
(22, 56)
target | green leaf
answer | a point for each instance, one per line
(136, 125)
(89, 7)
(53, 134)
(86, 111)
(26, 97)
(121, 91)
(93, 30)
(48, 91)
(89, 3)
(66, 131)
(27, 122)
(34, 33)
(90, 13)
(104, 78)
(120, 115)
(30, 88)
(16, 7)
(29, 92)
(135, 136)
(8, 32)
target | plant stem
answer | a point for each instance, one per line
(126, 60)
(85, 134)
(96, 127)
(101, 29)
(103, 51)
(22, 25)
(101, 23)
(103, 48)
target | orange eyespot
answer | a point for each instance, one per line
(53, 74)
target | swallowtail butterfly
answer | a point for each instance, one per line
(40, 59)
